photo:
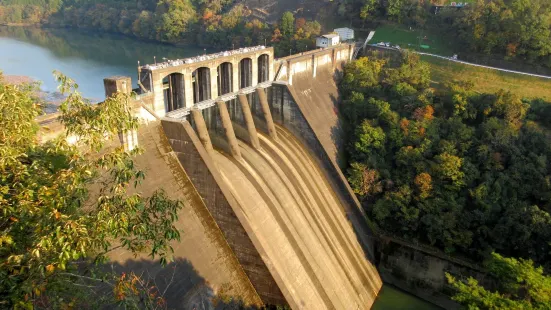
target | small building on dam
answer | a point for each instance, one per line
(250, 144)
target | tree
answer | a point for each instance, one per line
(449, 169)
(369, 139)
(412, 71)
(424, 184)
(287, 24)
(517, 29)
(521, 285)
(362, 75)
(363, 180)
(311, 29)
(394, 9)
(368, 9)
(65, 206)
(176, 17)
(300, 22)
(276, 36)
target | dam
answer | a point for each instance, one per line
(250, 144)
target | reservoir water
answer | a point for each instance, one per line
(86, 57)
(89, 57)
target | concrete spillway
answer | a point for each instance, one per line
(318, 100)
(298, 223)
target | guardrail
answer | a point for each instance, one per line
(465, 62)
(197, 59)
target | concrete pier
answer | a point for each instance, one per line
(249, 120)
(202, 130)
(228, 129)
(267, 113)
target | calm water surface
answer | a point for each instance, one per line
(391, 298)
(89, 57)
(86, 57)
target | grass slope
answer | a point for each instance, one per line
(489, 81)
(485, 80)
(412, 39)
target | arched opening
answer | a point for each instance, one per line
(225, 78)
(263, 68)
(201, 84)
(173, 91)
(245, 73)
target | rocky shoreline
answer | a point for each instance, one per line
(51, 100)
(18, 79)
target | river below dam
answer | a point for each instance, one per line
(88, 58)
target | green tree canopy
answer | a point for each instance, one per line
(65, 206)
(462, 171)
(521, 285)
(287, 24)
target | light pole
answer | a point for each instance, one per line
(155, 59)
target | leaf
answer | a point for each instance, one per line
(50, 268)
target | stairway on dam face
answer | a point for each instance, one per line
(299, 225)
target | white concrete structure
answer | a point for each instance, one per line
(333, 56)
(327, 40)
(198, 82)
(345, 33)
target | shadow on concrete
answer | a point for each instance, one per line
(337, 134)
(180, 285)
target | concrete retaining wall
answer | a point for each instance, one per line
(220, 203)
(421, 271)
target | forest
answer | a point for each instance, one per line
(218, 23)
(463, 171)
(509, 30)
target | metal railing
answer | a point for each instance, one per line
(197, 59)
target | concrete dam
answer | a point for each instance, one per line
(250, 144)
